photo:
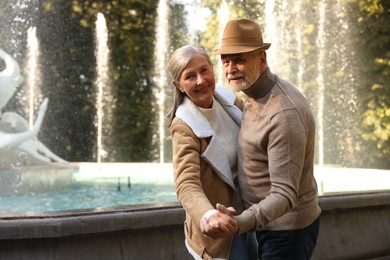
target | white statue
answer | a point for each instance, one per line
(10, 79)
(19, 143)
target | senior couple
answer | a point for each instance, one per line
(242, 172)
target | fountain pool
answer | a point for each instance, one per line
(97, 185)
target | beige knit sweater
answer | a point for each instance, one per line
(276, 150)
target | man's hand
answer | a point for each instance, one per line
(221, 224)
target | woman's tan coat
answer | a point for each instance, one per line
(202, 172)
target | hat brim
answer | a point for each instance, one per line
(240, 49)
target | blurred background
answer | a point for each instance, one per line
(102, 64)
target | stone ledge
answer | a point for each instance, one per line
(93, 221)
(354, 226)
(355, 200)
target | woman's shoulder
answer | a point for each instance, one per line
(180, 125)
(225, 93)
(227, 96)
(177, 122)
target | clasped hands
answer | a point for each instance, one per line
(221, 224)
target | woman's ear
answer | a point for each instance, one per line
(177, 85)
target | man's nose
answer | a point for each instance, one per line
(231, 67)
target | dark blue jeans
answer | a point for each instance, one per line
(288, 244)
(244, 247)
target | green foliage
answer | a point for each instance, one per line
(209, 39)
(250, 9)
(178, 36)
(132, 26)
(376, 95)
(355, 68)
(67, 80)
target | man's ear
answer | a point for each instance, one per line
(263, 58)
(261, 64)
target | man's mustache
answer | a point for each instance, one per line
(235, 75)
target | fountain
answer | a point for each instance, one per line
(16, 134)
(32, 92)
(162, 43)
(22, 154)
(96, 92)
(103, 96)
(100, 211)
(320, 81)
(318, 54)
(21, 147)
(29, 168)
(223, 13)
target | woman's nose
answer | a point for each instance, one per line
(200, 80)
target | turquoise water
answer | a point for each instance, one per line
(96, 187)
(103, 192)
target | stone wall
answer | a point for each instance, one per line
(353, 226)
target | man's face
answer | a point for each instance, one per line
(242, 69)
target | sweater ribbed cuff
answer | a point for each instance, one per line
(246, 221)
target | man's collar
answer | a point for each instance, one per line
(262, 85)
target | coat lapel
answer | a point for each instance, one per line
(214, 154)
(227, 99)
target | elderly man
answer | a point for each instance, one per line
(276, 150)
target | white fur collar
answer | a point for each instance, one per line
(192, 116)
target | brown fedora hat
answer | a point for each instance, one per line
(239, 36)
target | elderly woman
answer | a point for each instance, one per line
(204, 122)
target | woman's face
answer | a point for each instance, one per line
(197, 81)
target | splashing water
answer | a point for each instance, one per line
(102, 82)
(33, 74)
(223, 14)
(320, 82)
(162, 44)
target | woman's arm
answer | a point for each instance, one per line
(187, 171)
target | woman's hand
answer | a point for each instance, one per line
(221, 224)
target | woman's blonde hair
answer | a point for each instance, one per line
(179, 60)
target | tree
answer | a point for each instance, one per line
(354, 64)
(373, 22)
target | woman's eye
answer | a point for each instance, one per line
(190, 77)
